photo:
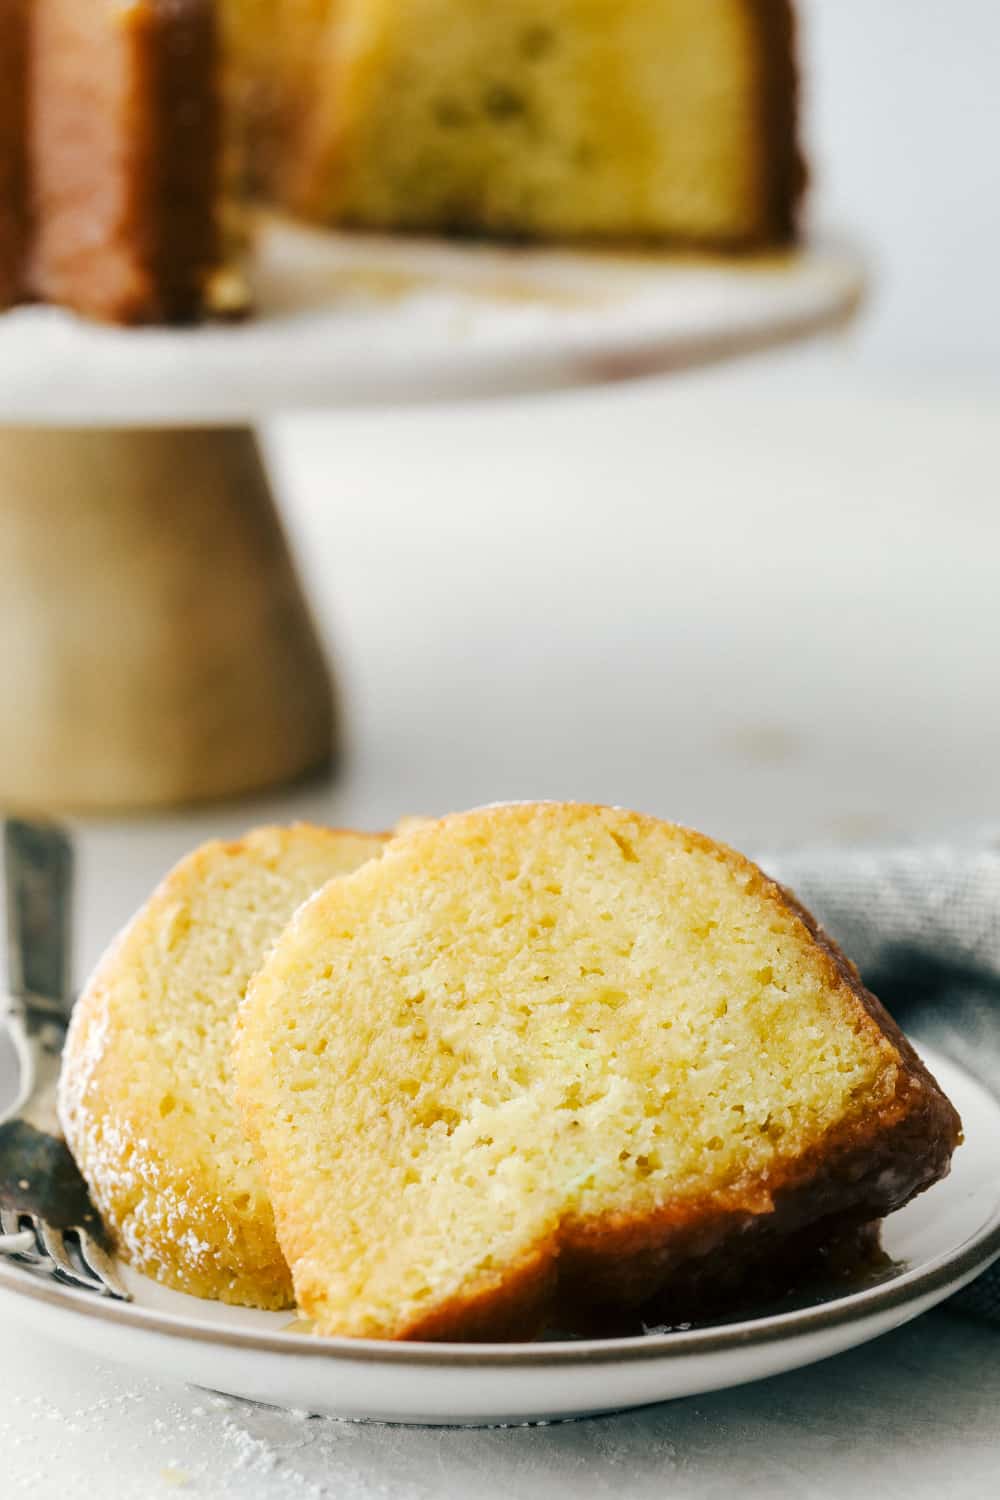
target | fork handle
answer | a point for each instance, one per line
(38, 867)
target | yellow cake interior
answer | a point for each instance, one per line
(532, 1020)
(562, 119)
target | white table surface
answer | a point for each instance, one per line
(773, 617)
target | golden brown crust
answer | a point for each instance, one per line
(782, 175)
(513, 1305)
(686, 1256)
(184, 247)
(125, 156)
(13, 167)
(850, 1178)
(769, 1267)
(919, 1089)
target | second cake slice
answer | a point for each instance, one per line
(146, 1089)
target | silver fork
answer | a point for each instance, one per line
(47, 1220)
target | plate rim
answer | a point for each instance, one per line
(947, 1271)
(184, 376)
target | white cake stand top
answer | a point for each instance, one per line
(365, 320)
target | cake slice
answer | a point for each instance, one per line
(134, 132)
(668, 120)
(13, 179)
(145, 1093)
(270, 51)
(126, 147)
(541, 1062)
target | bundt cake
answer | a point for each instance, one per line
(539, 1061)
(662, 120)
(148, 122)
(145, 1093)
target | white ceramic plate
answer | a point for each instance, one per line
(344, 320)
(938, 1243)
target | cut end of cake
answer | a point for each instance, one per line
(540, 1060)
(673, 122)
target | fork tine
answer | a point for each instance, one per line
(55, 1248)
(10, 1221)
(45, 1248)
(21, 1243)
(102, 1266)
(13, 1239)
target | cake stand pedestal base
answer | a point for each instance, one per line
(157, 649)
(157, 646)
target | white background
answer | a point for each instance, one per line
(764, 599)
(903, 114)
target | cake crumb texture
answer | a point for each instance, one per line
(539, 1061)
(666, 120)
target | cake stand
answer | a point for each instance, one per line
(158, 648)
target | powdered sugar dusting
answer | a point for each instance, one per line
(167, 1440)
(138, 1199)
